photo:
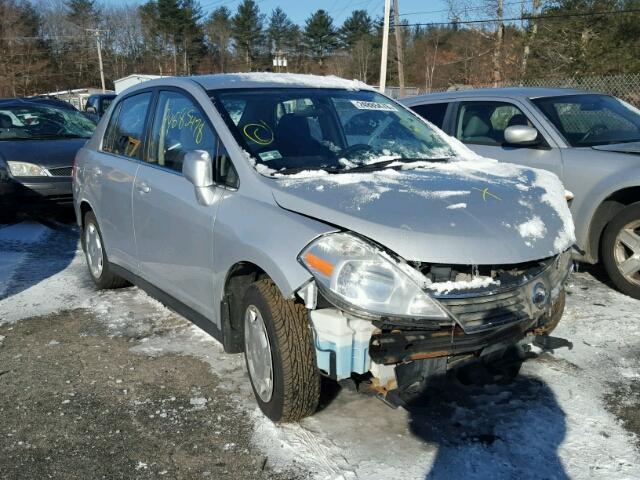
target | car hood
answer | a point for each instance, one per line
(46, 153)
(631, 147)
(460, 212)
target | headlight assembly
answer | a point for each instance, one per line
(24, 169)
(356, 273)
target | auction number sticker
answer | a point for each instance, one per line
(362, 105)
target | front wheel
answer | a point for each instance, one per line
(279, 354)
(621, 250)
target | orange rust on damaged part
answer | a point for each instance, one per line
(423, 355)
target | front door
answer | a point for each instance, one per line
(481, 125)
(174, 233)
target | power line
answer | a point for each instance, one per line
(526, 17)
(476, 8)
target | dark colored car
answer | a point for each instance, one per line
(99, 103)
(38, 143)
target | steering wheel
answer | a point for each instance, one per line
(594, 130)
(356, 148)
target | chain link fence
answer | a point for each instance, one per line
(626, 87)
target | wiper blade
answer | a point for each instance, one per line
(388, 163)
(292, 170)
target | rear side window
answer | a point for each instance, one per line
(433, 112)
(125, 132)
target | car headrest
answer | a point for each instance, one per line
(5, 121)
(518, 119)
(476, 127)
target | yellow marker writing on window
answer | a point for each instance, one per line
(259, 133)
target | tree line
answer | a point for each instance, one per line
(50, 45)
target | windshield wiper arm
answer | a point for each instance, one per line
(388, 163)
(292, 170)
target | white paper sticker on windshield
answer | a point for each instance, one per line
(362, 105)
(270, 155)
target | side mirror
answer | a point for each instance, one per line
(521, 135)
(197, 168)
(91, 110)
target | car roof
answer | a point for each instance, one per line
(255, 80)
(37, 101)
(509, 92)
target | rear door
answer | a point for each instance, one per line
(113, 174)
(481, 124)
(174, 233)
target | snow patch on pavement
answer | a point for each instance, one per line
(551, 423)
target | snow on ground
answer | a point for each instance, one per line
(551, 423)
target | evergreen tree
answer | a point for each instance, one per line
(320, 35)
(280, 31)
(82, 13)
(248, 31)
(218, 27)
(355, 27)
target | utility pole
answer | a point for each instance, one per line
(398, 31)
(497, 48)
(96, 32)
(385, 46)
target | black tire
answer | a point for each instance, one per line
(628, 215)
(296, 379)
(107, 279)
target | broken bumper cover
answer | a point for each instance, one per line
(483, 321)
(400, 347)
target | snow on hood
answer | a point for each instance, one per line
(465, 211)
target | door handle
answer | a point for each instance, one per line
(143, 187)
(97, 171)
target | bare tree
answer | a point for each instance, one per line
(530, 36)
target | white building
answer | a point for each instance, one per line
(77, 96)
(123, 83)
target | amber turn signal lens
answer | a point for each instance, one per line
(319, 264)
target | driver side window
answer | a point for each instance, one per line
(179, 127)
(484, 123)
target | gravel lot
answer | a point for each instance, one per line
(114, 385)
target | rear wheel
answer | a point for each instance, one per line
(97, 261)
(621, 250)
(279, 354)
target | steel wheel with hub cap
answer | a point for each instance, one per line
(258, 351)
(621, 250)
(279, 353)
(96, 255)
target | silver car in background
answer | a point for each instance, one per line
(591, 141)
(322, 229)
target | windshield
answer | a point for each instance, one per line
(287, 129)
(27, 122)
(590, 120)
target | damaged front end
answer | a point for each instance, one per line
(479, 314)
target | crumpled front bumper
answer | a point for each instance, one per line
(483, 322)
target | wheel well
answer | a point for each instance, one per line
(240, 276)
(84, 208)
(607, 210)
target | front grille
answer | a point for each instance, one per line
(60, 171)
(485, 311)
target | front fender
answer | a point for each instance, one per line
(262, 233)
(586, 208)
